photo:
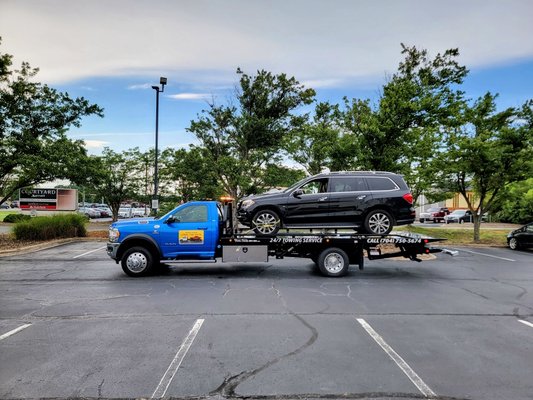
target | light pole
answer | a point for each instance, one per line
(162, 82)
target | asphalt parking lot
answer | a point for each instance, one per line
(73, 325)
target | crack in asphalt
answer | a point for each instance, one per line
(228, 387)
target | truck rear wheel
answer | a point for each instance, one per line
(333, 262)
(137, 261)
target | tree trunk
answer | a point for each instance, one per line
(477, 226)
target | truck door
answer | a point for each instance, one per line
(190, 232)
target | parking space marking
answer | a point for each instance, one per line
(487, 255)
(526, 323)
(164, 383)
(16, 330)
(407, 370)
(89, 252)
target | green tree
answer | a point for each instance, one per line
(516, 203)
(118, 177)
(34, 119)
(238, 140)
(489, 151)
(402, 131)
(312, 141)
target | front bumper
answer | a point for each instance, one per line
(244, 217)
(112, 249)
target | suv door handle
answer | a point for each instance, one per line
(361, 197)
(323, 198)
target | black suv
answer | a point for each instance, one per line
(372, 202)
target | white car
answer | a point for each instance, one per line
(90, 212)
(138, 212)
(124, 212)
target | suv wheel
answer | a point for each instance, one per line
(266, 222)
(378, 222)
(513, 244)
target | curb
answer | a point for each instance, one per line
(47, 245)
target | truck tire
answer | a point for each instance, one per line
(266, 222)
(333, 262)
(378, 222)
(137, 261)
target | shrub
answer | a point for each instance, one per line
(54, 227)
(13, 218)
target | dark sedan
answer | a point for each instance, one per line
(521, 238)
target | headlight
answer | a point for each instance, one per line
(114, 234)
(247, 203)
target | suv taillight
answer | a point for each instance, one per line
(408, 198)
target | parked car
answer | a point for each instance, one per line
(89, 212)
(4, 206)
(434, 214)
(372, 202)
(124, 212)
(15, 204)
(138, 212)
(521, 238)
(459, 216)
(105, 212)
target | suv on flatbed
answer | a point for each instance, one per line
(372, 202)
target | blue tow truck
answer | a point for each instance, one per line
(205, 230)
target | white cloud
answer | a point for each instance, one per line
(190, 96)
(95, 144)
(205, 40)
(140, 86)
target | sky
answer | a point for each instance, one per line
(112, 51)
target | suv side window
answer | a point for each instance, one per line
(381, 183)
(348, 184)
(192, 214)
(315, 186)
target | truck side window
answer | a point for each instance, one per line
(192, 214)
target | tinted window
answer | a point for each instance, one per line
(348, 184)
(381, 184)
(315, 186)
(192, 214)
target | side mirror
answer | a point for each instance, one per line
(297, 193)
(171, 220)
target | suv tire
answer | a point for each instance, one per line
(266, 222)
(378, 222)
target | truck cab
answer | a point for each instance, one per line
(190, 231)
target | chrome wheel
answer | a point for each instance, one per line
(266, 223)
(513, 244)
(136, 262)
(334, 263)
(379, 223)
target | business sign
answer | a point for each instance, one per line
(48, 199)
(39, 199)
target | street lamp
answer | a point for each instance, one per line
(162, 82)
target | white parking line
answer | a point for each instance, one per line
(487, 255)
(89, 252)
(526, 323)
(407, 370)
(16, 330)
(164, 383)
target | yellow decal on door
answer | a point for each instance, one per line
(191, 237)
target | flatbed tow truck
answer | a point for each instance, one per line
(206, 230)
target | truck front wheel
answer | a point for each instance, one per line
(333, 262)
(137, 261)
